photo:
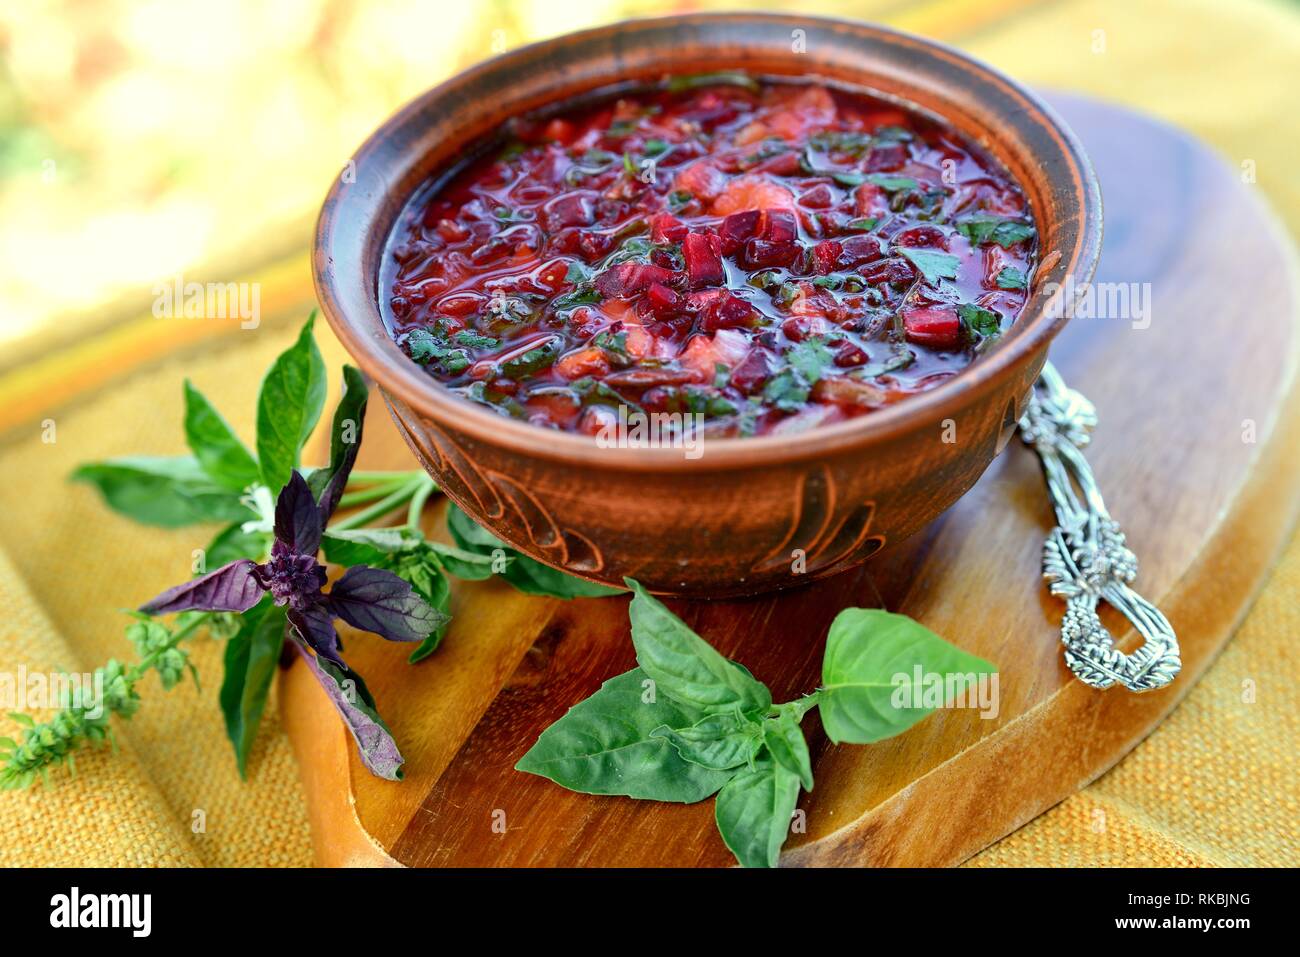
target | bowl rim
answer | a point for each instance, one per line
(397, 375)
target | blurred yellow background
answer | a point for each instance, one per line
(142, 138)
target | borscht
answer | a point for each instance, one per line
(771, 255)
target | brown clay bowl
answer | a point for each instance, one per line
(735, 520)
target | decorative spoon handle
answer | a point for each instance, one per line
(1085, 559)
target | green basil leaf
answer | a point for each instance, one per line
(464, 564)
(288, 407)
(431, 584)
(528, 576)
(215, 445)
(872, 656)
(684, 666)
(163, 491)
(606, 745)
(251, 656)
(718, 741)
(1009, 277)
(468, 534)
(232, 543)
(345, 441)
(368, 546)
(753, 812)
(979, 323)
(981, 229)
(533, 578)
(933, 265)
(785, 742)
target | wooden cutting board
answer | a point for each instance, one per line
(1197, 458)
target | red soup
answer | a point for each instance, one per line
(771, 255)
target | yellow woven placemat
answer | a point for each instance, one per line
(1215, 784)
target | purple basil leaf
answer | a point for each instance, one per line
(232, 587)
(354, 702)
(345, 440)
(315, 626)
(378, 601)
(297, 523)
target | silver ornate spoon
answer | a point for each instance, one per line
(1085, 559)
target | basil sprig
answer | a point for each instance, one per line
(528, 576)
(688, 723)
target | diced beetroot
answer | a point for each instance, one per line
(762, 252)
(897, 270)
(593, 245)
(663, 301)
(820, 196)
(924, 235)
(870, 200)
(861, 249)
(779, 226)
(936, 326)
(826, 254)
(783, 164)
(627, 279)
(570, 209)
(667, 228)
(703, 254)
(888, 157)
(849, 355)
(736, 228)
(727, 311)
(750, 375)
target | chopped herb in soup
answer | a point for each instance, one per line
(774, 256)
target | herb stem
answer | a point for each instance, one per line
(381, 508)
(368, 478)
(426, 488)
(369, 494)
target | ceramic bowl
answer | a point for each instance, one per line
(750, 514)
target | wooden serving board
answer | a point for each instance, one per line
(1197, 458)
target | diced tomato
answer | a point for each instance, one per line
(582, 362)
(752, 192)
(935, 326)
(811, 108)
(701, 179)
(560, 130)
